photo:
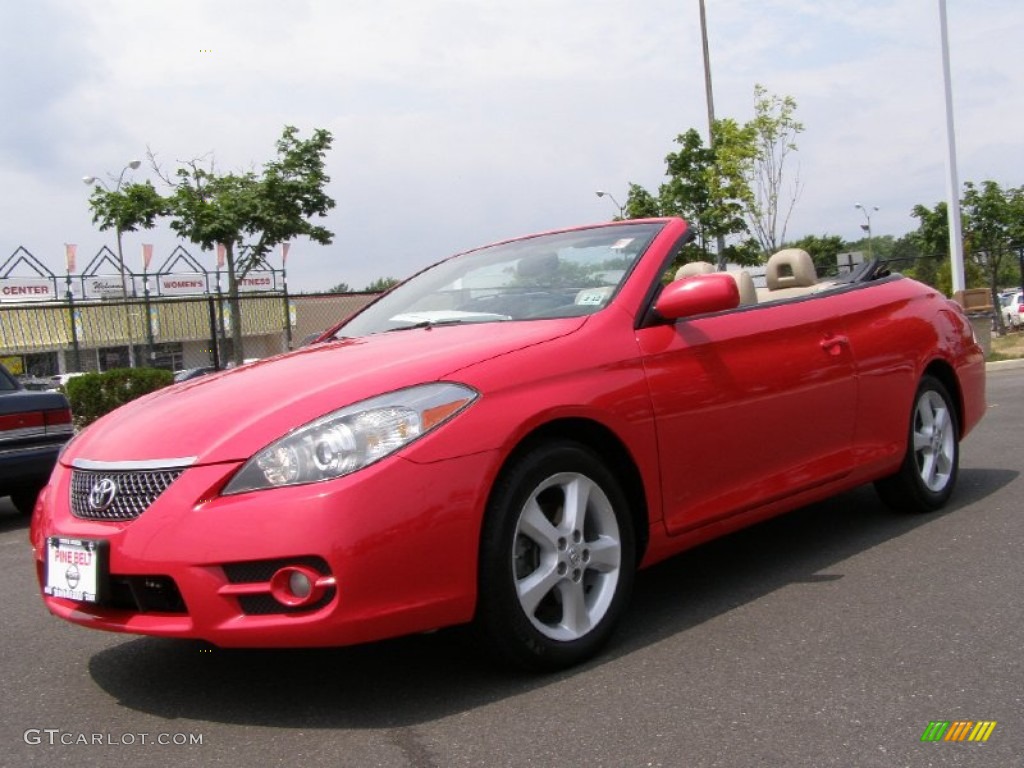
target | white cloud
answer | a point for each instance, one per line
(459, 122)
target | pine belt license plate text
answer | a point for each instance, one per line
(75, 568)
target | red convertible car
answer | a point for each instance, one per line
(504, 439)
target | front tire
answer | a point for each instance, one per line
(557, 558)
(930, 466)
(24, 499)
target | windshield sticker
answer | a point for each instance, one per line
(593, 297)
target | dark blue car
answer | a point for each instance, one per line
(33, 428)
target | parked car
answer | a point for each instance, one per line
(504, 439)
(34, 426)
(35, 383)
(61, 379)
(1013, 311)
(193, 373)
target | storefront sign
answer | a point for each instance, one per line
(27, 289)
(105, 287)
(183, 284)
(257, 281)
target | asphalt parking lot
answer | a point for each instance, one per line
(830, 637)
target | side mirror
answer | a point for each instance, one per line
(697, 295)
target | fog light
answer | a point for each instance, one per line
(297, 585)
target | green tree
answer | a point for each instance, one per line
(908, 258)
(733, 192)
(340, 288)
(733, 155)
(641, 204)
(932, 235)
(249, 213)
(381, 284)
(707, 187)
(993, 224)
(126, 207)
(686, 193)
(932, 242)
(770, 203)
(879, 246)
(824, 250)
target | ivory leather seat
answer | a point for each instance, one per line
(744, 282)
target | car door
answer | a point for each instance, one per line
(752, 405)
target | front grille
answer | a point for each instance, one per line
(144, 594)
(266, 605)
(132, 492)
(255, 571)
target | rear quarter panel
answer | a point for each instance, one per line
(897, 329)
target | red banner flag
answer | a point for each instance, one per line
(222, 254)
(284, 252)
(147, 255)
(69, 254)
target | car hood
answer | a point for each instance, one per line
(230, 415)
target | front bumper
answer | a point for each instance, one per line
(28, 465)
(396, 545)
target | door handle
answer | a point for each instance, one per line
(834, 344)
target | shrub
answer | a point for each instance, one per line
(95, 394)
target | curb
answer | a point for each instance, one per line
(1004, 365)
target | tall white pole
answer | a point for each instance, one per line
(720, 239)
(956, 237)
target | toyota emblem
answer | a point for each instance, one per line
(102, 494)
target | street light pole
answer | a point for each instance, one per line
(622, 211)
(956, 235)
(287, 302)
(710, 96)
(91, 181)
(867, 227)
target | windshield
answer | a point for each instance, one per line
(567, 274)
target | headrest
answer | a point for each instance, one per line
(748, 292)
(790, 268)
(695, 268)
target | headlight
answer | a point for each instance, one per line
(352, 438)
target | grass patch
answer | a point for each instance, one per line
(1008, 347)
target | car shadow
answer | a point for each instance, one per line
(404, 682)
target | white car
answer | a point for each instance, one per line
(57, 382)
(1013, 311)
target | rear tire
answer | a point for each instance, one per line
(930, 466)
(557, 558)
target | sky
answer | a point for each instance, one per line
(462, 122)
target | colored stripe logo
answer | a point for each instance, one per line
(958, 730)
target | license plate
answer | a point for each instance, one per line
(75, 568)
